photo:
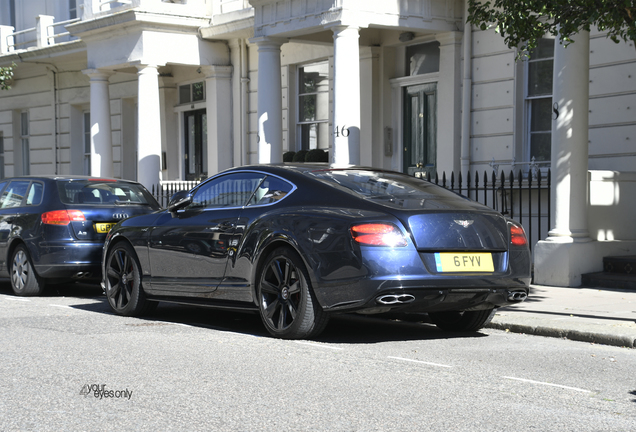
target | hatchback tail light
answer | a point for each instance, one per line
(62, 217)
(378, 234)
(518, 235)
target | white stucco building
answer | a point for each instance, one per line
(162, 90)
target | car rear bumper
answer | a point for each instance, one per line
(76, 260)
(358, 283)
(424, 295)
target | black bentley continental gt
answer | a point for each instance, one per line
(300, 242)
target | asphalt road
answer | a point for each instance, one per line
(67, 363)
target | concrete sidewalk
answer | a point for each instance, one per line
(599, 315)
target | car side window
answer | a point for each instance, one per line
(14, 194)
(231, 190)
(271, 190)
(34, 197)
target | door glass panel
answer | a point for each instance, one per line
(196, 147)
(204, 144)
(420, 136)
(232, 190)
(13, 195)
(191, 154)
(35, 194)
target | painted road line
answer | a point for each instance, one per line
(318, 345)
(420, 361)
(16, 299)
(547, 384)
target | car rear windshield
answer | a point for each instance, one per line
(100, 192)
(392, 189)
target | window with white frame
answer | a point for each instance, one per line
(87, 143)
(72, 9)
(24, 142)
(313, 106)
(194, 92)
(539, 69)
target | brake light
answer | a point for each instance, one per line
(518, 235)
(62, 217)
(378, 234)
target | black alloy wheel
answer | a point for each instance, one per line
(287, 305)
(123, 281)
(462, 321)
(24, 279)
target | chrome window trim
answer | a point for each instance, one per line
(266, 174)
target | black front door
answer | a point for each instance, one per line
(196, 144)
(420, 129)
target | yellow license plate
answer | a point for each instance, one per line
(464, 262)
(104, 227)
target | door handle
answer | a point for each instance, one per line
(223, 226)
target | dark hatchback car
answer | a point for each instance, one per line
(52, 228)
(300, 242)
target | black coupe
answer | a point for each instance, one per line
(300, 242)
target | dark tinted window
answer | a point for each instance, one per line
(98, 192)
(14, 193)
(34, 197)
(231, 190)
(271, 190)
(393, 189)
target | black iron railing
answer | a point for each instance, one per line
(166, 189)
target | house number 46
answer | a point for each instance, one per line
(338, 131)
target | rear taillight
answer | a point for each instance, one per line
(62, 217)
(518, 235)
(378, 234)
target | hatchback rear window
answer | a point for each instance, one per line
(93, 192)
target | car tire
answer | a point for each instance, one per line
(24, 280)
(123, 282)
(288, 307)
(462, 321)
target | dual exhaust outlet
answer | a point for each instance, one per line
(393, 299)
(517, 296)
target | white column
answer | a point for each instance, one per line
(449, 103)
(570, 100)
(148, 127)
(270, 101)
(346, 95)
(218, 86)
(101, 138)
(568, 251)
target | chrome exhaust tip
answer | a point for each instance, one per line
(517, 296)
(391, 299)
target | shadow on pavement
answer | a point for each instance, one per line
(342, 329)
(71, 289)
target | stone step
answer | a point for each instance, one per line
(609, 280)
(620, 264)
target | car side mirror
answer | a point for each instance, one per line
(179, 200)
